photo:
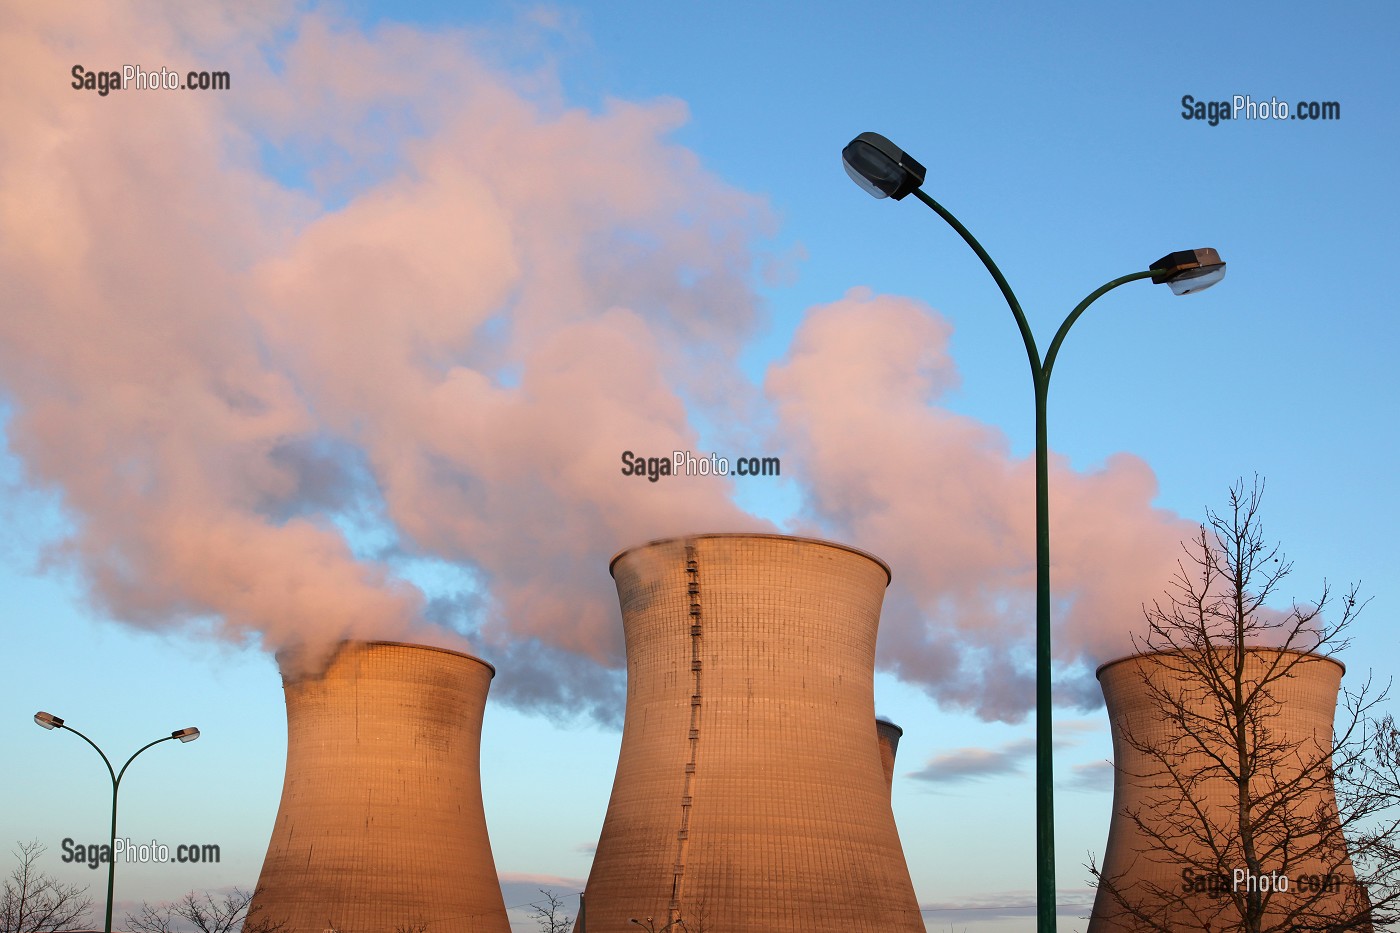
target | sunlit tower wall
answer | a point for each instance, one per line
(888, 735)
(750, 796)
(381, 825)
(1301, 718)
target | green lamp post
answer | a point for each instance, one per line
(884, 170)
(50, 721)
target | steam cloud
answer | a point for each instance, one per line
(954, 514)
(352, 350)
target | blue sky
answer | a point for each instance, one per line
(1056, 135)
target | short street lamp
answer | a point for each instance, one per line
(885, 171)
(650, 925)
(50, 721)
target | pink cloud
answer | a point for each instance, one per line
(447, 329)
(214, 370)
(940, 497)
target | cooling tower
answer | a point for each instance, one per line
(750, 795)
(1157, 861)
(888, 735)
(381, 825)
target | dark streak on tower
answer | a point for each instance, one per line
(381, 825)
(750, 681)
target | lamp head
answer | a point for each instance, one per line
(1189, 271)
(880, 167)
(47, 720)
(185, 735)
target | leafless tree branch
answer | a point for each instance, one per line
(549, 914)
(35, 902)
(231, 912)
(1329, 802)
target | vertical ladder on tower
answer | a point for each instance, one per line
(696, 621)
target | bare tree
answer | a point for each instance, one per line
(549, 914)
(229, 913)
(697, 916)
(35, 902)
(1232, 788)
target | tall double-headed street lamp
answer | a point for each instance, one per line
(886, 171)
(50, 721)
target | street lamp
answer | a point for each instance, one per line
(650, 925)
(884, 170)
(50, 721)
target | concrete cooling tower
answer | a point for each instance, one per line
(750, 796)
(1157, 862)
(889, 735)
(381, 826)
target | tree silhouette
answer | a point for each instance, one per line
(1242, 818)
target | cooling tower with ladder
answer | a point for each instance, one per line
(750, 794)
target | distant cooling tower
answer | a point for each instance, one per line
(750, 795)
(381, 825)
(889, 735)
(1185, 886)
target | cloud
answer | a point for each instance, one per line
(445, 332)
(999, 905)
(390, 304)
(940, 497)
(523, 891)
(1091, 776)
(966, 764)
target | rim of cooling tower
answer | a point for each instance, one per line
(342, 643)
(882, 721)
(1098, 671)
(799, 539)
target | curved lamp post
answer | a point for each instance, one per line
(50, 721)
(885, 171)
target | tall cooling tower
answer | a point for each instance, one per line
(1185, 883)
(750, 795)
(381, 826)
